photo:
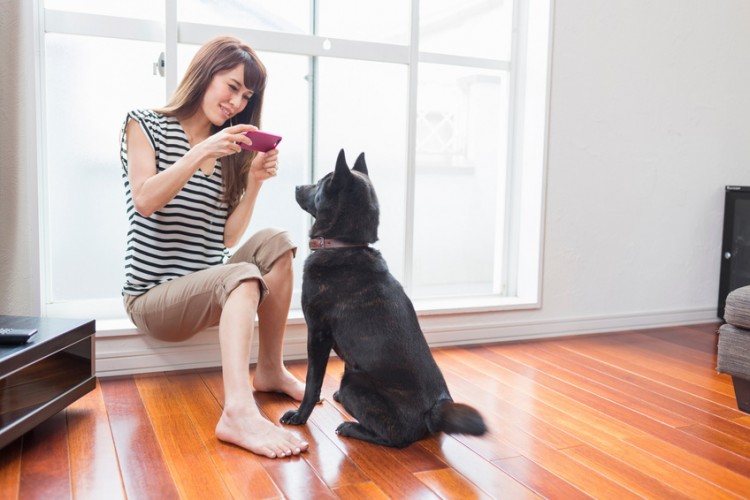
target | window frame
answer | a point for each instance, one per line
(518, 275)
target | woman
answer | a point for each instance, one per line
(190, 192)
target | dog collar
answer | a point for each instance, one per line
(321, 243)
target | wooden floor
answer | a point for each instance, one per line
(632, 414)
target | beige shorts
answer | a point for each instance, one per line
(180, 308)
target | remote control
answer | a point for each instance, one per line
(16, 336)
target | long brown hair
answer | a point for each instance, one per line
(220, 54)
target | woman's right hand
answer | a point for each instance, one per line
(152, 190)
(225, 142)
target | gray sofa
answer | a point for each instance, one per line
(734, 344)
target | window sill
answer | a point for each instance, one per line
(118, 327)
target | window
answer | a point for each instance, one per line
(447, 101)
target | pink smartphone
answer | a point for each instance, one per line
(262, 141)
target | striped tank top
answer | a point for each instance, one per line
(187, 234)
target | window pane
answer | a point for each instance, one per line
(362, 107)
(140, 9)
(462, 132)
(476, 29)
(88, 93)
(289, 16)
(285, 113)
(384, 21)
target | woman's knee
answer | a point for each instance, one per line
(273, 236)
(284, 262)
(264, 248)
(248, 291)
(281, 271)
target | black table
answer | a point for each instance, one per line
(42, 377)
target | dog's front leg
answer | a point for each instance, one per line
(318, 351)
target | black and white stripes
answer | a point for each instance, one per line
(187, 234)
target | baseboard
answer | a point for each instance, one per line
(121, 351)
(474, 332)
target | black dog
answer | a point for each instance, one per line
(353, 305)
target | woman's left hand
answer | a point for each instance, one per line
(264, 166)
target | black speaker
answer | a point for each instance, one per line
(735, 247)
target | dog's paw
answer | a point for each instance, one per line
(345, 429)
(336, 396)
(293, 417)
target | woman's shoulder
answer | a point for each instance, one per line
(148, 115)
(157, 124)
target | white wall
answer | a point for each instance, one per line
(19, 252)
(649, 120)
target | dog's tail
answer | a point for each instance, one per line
(455, 418)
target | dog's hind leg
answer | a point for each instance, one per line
(377, 421)
(358, 431)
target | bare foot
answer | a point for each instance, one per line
(284, 382)
(251, 431)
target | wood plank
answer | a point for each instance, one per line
(587, 479)
(189, 462)
(485, 475)
(361, 491)
(145, 473)
(662, 375)
(628, 475)
(603, 403)
(547, 404)
(700, 366)
(418, 457)
(561, 377)
(711, 328)
(699, 464)
(296, 479)
(664, 463)
(448, 483)
(642, 422)
(242, 471)
(45, 469)
(608, 442)
(698, 337)
(466, 385)
(660, 343)
(726, 432)
(596, 416)
(10, 470)
(692, 407)
(739, 444)
(95, 472)
(660, 367)
(538, 478)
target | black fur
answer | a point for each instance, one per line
(353, 305)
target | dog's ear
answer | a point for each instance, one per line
(342, 173)
(360, 165)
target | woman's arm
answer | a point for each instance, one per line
(152, 191)
(263, 167)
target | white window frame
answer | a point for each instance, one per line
(520, 218)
